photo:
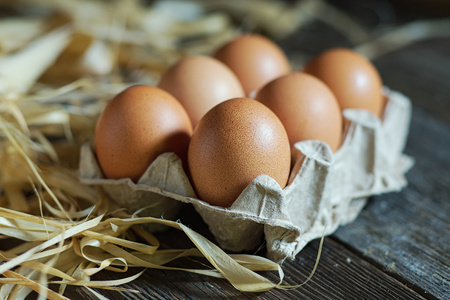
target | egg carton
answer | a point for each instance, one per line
(325, 189)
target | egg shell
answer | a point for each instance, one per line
(135, 127)
(306, 107)
(353, 79)
(255, 60)
(200, 83)
(235, 142)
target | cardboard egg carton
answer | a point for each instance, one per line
(325, 189)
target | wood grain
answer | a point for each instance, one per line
(421, 71)
(408, 233)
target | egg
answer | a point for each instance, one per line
(353, 79)
(306, 107)
(135, 127)
(199, 83)
(236, 141)
(255, 60)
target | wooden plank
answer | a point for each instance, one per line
(341, 275)
(408, 233)
(422, 72)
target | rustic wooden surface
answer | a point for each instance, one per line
(398, 248)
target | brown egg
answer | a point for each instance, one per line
(199, 83)
(306, 107)
(255, 60)
(135, 127)
(235, 142)
(353, 79)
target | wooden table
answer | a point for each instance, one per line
(398, 248)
